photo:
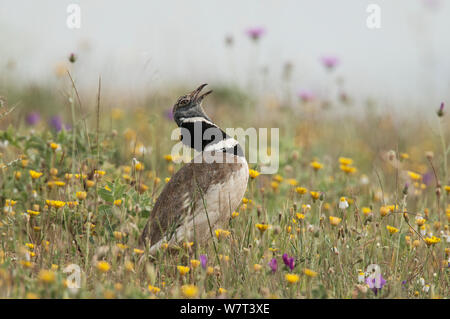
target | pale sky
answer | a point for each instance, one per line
(148, 45)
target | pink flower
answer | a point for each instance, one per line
(330, 61)
(306, 95)
(255, 33)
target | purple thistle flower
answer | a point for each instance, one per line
(33, 118)
(330, 61)
(56, 123)
(255, 33)
(306, 96)
(203, 261)
(427, 178)
(375, 283)
(273, 265)
(289, 261)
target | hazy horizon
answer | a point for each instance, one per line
(145, 46)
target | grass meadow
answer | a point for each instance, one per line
(357, 185)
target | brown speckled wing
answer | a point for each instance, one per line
(181, 196)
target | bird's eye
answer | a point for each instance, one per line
(183, 102)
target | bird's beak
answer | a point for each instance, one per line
(196, 93)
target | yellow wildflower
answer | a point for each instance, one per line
(274, 185)
(278, 178)
(292, 182)
(32, 212)
(414, 176)
(32, 295)
(121, 246)
(188, 244)
(314, 195)
(195, 263)
(222, 291)
(220, 233)
(189, 291)
(391, 229)
(138, 166)
(98, 173)
(81, 195)
(153, 289)
(262, 227)
(404, 156)
(291, 278)
(420, 220)
(34, 174)
(55, 203)
(103, 266)
(384, 210)
(253, 173)
(366, 211)
(26, 263)
(316, 165)
(433, 240)
(348, 169)
(129, 266)
(345, 161)
(310, 273)
(183, 270)
(335, 220)
(90, 183)
(257, 267)
(301, 190)
(46, 276)
(118, 235)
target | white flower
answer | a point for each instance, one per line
(422, 282)
(426, 288)
(343, 204)
(364, 179)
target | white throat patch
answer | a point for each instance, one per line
(228, 143)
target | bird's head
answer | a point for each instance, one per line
(190, 105)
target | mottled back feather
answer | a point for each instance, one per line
(183, 194)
